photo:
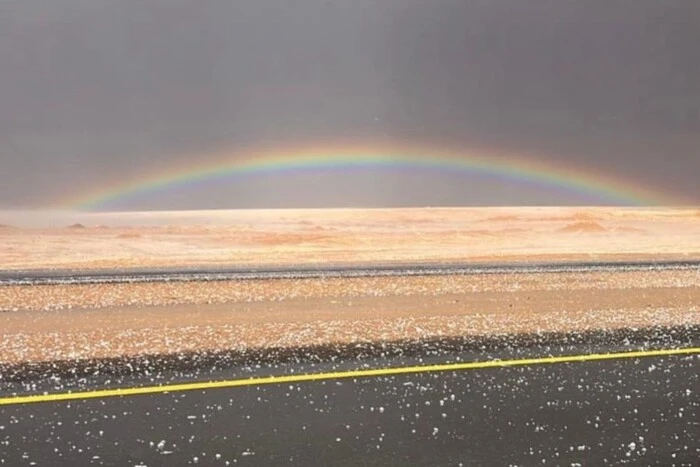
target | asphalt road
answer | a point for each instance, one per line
(583, 403)
(111, 276)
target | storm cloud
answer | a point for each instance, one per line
(93, 91)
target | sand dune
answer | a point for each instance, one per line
(583, 227)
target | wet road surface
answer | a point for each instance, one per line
(572, 404)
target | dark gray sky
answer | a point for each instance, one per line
(93, 91)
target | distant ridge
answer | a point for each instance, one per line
(584, 227)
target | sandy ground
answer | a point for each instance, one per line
(65, 322)
(246, 315)
(286, 237)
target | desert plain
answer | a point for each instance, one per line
(56, 240)
(41, 323)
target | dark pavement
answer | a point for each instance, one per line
(624, 411)
(169, 274)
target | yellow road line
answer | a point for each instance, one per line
(377, 372)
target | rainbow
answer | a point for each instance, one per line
(234, 164)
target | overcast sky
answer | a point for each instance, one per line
(93, 91)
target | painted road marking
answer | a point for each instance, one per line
(377, 372)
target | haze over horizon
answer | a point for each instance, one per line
(97, 93)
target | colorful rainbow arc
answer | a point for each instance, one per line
(522, 169)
